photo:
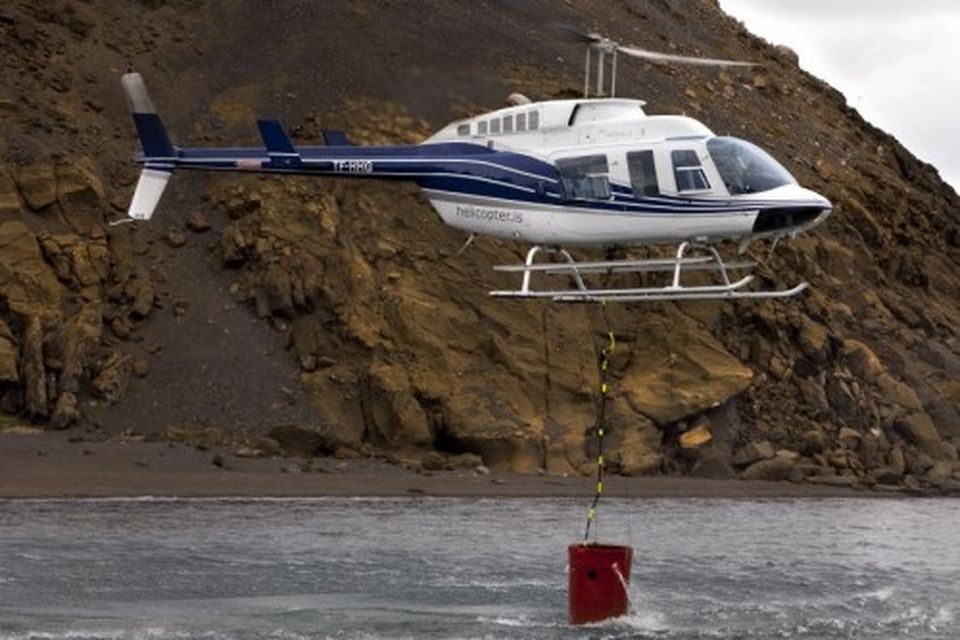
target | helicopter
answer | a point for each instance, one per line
(588, 172)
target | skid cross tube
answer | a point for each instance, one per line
(727, 290)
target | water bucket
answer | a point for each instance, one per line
(599, 577)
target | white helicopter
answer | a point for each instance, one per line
(583, 172)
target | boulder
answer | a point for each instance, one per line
(277, 287)
(175, 238)
(433, 461)
(141, 295)
(918, 464)
(833, 481)
(939, 471)
(76, 260)
(464, 461)
(34, 375)
(841, 397)
(774, 469)
(638, 452)
(886, 475)
(696, 437)
(861, 360)
(303, 441)
(814, 340)
(919, 430)
(712, 468)
(114, 376)
(752, 452)
(869, 450)
(197, 222)
(678, 369)
(65, 412)
(897, 460)
(849, 437)
(335, 395)
(814, 441)
(307, 341)
(814, 396)
(38, 184)
(75, 344)
(80, 194)
(141, 367)
(393, 415)
(899, 393)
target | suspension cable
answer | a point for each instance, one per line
(600, 426)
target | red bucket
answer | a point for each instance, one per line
(599, 577)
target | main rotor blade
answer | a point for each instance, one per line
(669, 57)
(572, 34)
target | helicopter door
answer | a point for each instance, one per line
(643, 173)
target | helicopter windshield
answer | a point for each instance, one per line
(745, 167)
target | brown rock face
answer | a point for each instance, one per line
(26, 282)
(9, 197)
(677, 371)
(8, 355)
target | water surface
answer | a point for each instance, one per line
(474, 568)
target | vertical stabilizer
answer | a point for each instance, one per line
(153, 135)
(159, 154)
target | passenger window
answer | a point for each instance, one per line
(584, 177)
(495, 126)
(482, 128)
(507, 124)
(643, 173)
(521, 122)
(533, 120)
(463, 130)
(688, 172)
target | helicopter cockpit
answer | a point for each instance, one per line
(745, 167)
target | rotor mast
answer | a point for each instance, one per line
(604, 48)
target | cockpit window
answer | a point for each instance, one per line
(745, 167)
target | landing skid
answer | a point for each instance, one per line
(729, 290)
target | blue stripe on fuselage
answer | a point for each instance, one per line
(459, 167)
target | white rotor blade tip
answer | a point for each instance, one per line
(669, 57)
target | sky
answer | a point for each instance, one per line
(896, 61)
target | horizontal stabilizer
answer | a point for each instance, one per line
(149, 189)
(336, 139)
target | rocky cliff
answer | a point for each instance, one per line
(317, 316)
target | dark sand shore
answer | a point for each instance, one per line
(49, 465)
